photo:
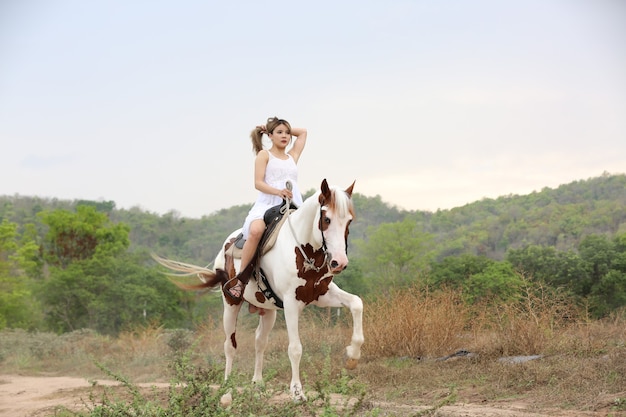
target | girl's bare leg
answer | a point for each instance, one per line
(257, 228)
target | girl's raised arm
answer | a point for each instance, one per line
(298, 146)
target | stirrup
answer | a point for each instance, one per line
(230, 295)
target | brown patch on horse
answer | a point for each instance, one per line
(317, 281)
(229, 262)
(328, 199)
(260, 297)
(323, 224)
(233, 340)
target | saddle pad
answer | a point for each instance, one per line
(267, 240)
(271, 233)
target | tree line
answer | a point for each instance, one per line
(66, 265)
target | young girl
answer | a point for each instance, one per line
(273, 167)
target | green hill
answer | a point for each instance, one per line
(558, 217)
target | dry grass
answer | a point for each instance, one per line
(583, 364)
(415, 323)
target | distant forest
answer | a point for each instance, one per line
(571, 239)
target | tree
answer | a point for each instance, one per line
(538, 262)
(480, 278)
(619, 262)
(497, 282)
(78, 236)
(605, 261)
(547, 265)
(395, 253)
(109, 294)
(609, 293)
(17, 305)
(93, 283)
(453, 271)
(597, 252)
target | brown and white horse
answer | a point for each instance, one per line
(297, 271)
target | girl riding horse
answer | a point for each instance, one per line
(273, 168)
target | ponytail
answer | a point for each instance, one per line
(257, 140)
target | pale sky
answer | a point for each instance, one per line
(429, 104)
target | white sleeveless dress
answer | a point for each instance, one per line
(277, 173)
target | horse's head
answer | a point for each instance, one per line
(336, 213)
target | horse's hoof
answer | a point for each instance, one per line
(226, 400)
(297, 393)
(300, 399)
(351, 363)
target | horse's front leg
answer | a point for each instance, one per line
(336, 297)
(292, 311)
(266, 324)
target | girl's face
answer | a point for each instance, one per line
(280, 136)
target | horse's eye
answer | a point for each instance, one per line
(326, 220)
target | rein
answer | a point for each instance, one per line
(309, 263)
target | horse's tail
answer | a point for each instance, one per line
(210, 278)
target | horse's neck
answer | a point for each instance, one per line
(303, 222)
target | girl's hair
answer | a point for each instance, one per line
(257, 134)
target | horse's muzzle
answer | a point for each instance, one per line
(337, 267)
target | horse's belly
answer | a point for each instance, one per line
(255, 296)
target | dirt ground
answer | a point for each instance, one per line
(38, 396)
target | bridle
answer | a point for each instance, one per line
(309, 262)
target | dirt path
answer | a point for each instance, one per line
(38, 396)
(30, 396)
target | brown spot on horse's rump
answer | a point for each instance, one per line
(229, 262)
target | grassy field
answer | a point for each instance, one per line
(409, 366)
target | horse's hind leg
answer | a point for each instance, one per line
(266, 324)
(230, 343)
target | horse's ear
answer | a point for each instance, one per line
(326, 194)
(350, 188)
